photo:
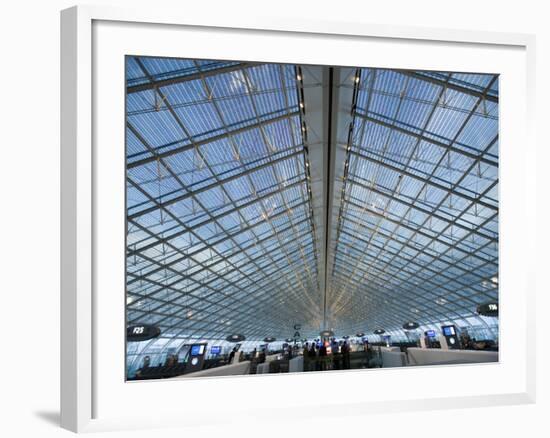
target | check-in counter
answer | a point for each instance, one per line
(391, 359)
(262, 368)
(390, 349)
(272, 357)
(296, 365)
(234, 369)
(436, 356)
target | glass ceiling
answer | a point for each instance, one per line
(221, 234)
(220, 231)
(417, 231)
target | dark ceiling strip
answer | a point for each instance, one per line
(328, 191)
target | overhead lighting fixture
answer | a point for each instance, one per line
(299, 77)
(357, 79)
(302, 105)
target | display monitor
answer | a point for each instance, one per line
(430, 333)
(449, 330)
(197, 350)
(216, 349)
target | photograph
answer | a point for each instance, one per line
(285, 218)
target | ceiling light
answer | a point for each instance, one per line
(299, 77)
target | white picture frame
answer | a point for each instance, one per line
(85, 385)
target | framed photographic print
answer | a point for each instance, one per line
(287, 205)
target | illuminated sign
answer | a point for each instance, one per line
(197, 349)
(144, 332)
(448, 330)
(488, 309)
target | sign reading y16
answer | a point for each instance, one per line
(488, 309)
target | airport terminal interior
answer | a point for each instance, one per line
(300, 218)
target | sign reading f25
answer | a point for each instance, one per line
(141, 332)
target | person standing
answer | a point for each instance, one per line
(232, 355)
(305, 353)
(346, 356)
(323, 357)
(312, 357)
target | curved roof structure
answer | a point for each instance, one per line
(261, 196)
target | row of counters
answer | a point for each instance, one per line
(391, 357)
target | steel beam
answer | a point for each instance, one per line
(427, 181)
(195, 144)
(447, 146)
(451, 85)
(187, 195)
(186, 78)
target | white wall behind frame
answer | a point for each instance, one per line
(30, 205)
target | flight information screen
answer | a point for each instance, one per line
(197, 349)
(449, 331)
